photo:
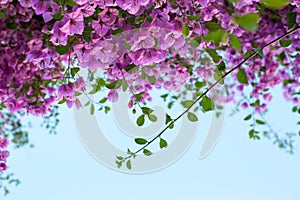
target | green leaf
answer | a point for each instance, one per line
(147, 110)
(221, 66)
(187, 103)
(291, 19)
(235, 42)
(87, 33)
(115, 85)
(216, 36)
(200, 84)
(213, 26)
(168, 118)
(3, 12)
(195, 42)
(62, 49)
(139, 96)
(97, 87)
(196, 17)
(185, 30)
(152, 117)
(276, 3)
(248, 22)
(106, 109)
(163, 143)
(128, 164)
(242, 77)
(147, 152)
(260, 122)
(140, 120)
(207, 103)
(124, 85)
(213, 54)
(117, 31)
(152, 79)
(58, 15)
(140, 141)
(192, 117)
(74, 71)
(71, 3)
(248, 117)
(92, 109)
(120, 157)
(285, 43)
(218, 75)
(259, 51)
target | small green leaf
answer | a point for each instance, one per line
(168, 119)
(128, 164)
(163, 143)
(140, 141)
(3, 12)
(58, 15)
(259, 51)
(192, 117)
(200, 84)
(139, 96)
(242, 76)
(152, 117)
(213, 54)
(196, 17)
(195, 42)
(260, 122)
(140, 120)
(207, 104)
(187, 103)
(285, 43)
(248, 117)
(62, 49)
(248, 22)
(115, 85)
(147, 110)
(120, 157)
(185, 30)
(291, 19)
(119, 164)
(71, 3)
(213, 26)
(124, 85)
(116, 31)
(152, 79)
(216, 36)
(276, 4)
(74, 71)
(235, 42)
(147, 152)
(92, 109)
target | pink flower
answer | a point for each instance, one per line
(73, 23)
(113, 95)
(4, 155)
(3, 142)
(3, 167)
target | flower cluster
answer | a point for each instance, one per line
(148, 44)
(3, 154)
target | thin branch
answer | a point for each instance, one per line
(206, 91)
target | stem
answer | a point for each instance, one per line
(207, 90)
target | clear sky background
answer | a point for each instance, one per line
(238, 168)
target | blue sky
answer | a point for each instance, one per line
(60, 168)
